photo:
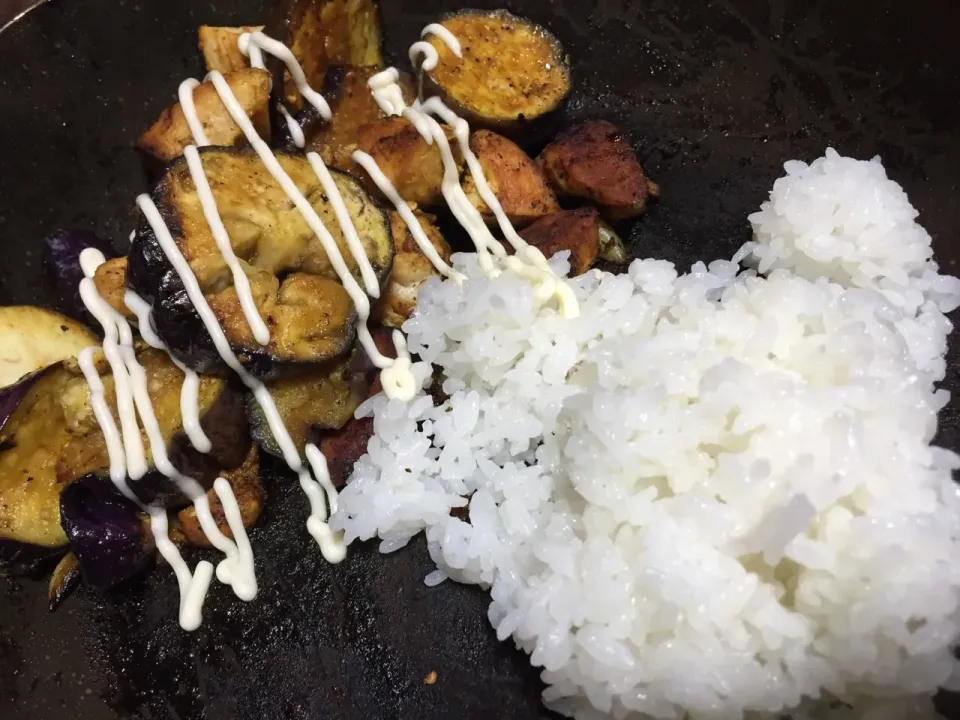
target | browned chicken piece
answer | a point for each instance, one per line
(111, 282)
(166, 139)
(413, 167)
(353, 106)
(582, 232)
(515, 179)
(593, 161)
(220, 49)
(324, 33)
(410, 271)
(247, 489)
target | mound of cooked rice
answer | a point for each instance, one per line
(711, 494)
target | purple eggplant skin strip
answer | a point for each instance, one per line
(62, 258)
(107, 532)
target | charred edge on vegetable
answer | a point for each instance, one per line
(175, 318)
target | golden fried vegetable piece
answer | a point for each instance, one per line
(323, 33)
(516, 181)
(593, 161)
(321, 398)
(582, 232)
(248, 491)
(295, 287)
(170, 134)
(353, 106)
(512, 73)
(111, 281)
(410, 271)
(414, 167)
(220, 49)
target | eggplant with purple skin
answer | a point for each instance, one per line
(310, 315)
(51, 437)
(32, 338)
(62, 258)
(108, 533)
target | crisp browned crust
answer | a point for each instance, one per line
(325, 33)
(593, 161)
(411, 269)
(248, 491)
(353, 106)
(220, 49)
(169, 135)
(515, 179)
(413, 167)
(111, 282)
(575, 230)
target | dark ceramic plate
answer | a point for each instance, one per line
(715, 96)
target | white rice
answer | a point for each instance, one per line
(712, 495)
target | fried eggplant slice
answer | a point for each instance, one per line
(513, 74)
(321, 34)
(108, 533)
(220, 48)
(594, 161)
(52, 438)
(311, 318)
(32, 338)
(248, 492)
(169, 135)
(322, 398)
(411, 269)
(413, 167)
(515, 179)
(353, 106)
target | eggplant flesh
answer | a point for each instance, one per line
(52, 437)
(513, 76)
(319, 399)
(32, 338)
(295, 287)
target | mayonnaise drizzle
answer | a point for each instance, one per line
(428, 51)
(390, 192)
(189, 393)
(296, 132)
(331, 545)
(132, 399)
(273, 166)
(185, 96)
(259, 328)
(528, 262)
(253, 45)
(389, 97)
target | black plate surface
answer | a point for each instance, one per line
(715, 96)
